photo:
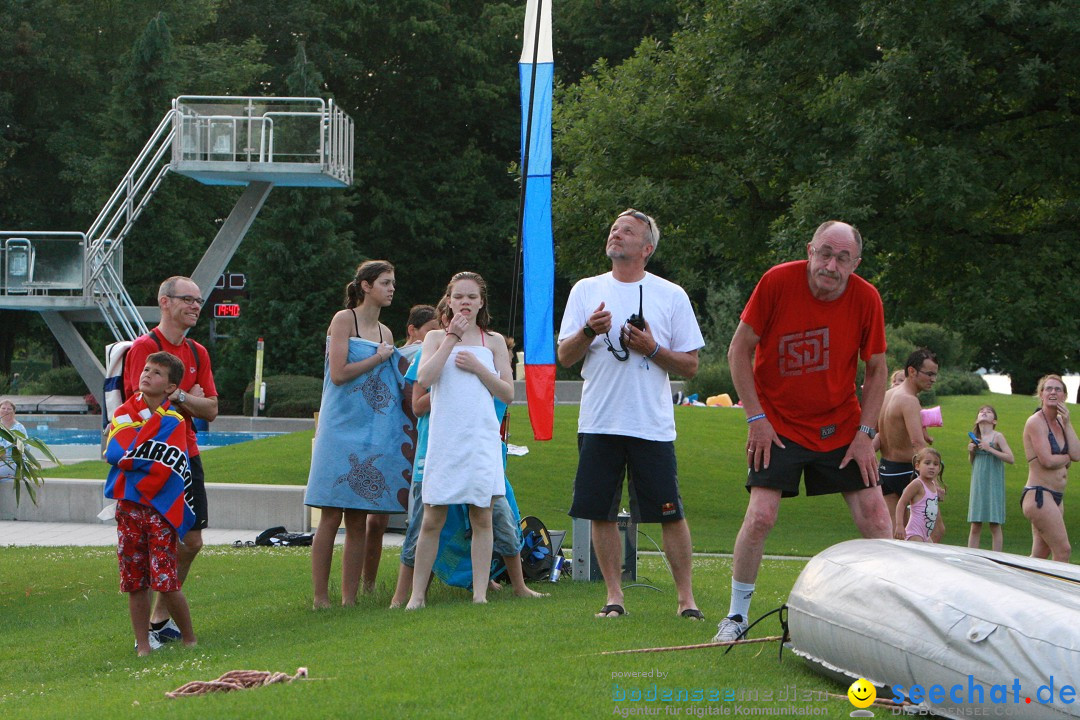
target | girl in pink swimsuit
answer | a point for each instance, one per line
(922, 496)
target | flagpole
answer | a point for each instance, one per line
(518, 270)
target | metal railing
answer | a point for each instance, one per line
(262, 131)
(42, 263)
(230, 134)
(337, 146)
(105, 238)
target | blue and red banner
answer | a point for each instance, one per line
(536, 71)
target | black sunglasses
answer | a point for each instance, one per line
(631, 212)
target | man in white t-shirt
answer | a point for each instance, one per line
(626, 420)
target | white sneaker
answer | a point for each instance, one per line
(168, 632)
(155, 641)
(731, 628)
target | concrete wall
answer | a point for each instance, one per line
(237, 507)
(224, 423)
(567, 392)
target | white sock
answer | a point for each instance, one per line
(740, 598)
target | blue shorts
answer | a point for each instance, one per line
(507, 535)
(412, 533)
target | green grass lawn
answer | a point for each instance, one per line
(69, 645)
(70, 649)
(712, 476)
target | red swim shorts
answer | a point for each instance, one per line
(146, 549)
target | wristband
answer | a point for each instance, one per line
(653, 353)
(454, 334)
(755, 418)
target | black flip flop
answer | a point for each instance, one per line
(692, 613)
(619, 611)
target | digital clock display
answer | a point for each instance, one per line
(226, 310)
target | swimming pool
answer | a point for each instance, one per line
(68, 436)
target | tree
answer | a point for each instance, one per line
(946, 131)
(298, 265)
(584, 31)
(432, 87)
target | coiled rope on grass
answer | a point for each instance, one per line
(235, 680)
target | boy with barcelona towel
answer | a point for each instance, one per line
(147, 449)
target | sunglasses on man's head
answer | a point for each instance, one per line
(637, 214)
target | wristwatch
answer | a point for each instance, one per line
(589, 332)
(868, 430)
(180, 397)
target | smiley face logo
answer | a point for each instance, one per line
(862, 693)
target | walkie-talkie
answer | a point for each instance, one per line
(638, 319)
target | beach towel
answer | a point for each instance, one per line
(366, 438)
(464, 455)
(453, 564)
(148, 453)
(403, 358)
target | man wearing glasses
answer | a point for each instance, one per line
(901, 429)
(793, 360)
(631, 328)
(196, 397)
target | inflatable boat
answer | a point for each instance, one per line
(956, 631)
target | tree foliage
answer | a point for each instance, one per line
(946, 131)
(432, 87)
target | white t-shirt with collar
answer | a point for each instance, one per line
(631, 398)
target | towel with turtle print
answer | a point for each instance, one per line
(365, 441)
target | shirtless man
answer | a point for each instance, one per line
(900, 430)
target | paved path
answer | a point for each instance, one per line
(52, 534)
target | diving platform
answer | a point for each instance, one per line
(255, 142)
(290, 142)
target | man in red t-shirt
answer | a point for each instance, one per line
(196, 397)
(793, 360)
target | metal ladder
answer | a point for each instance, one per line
(105, 238)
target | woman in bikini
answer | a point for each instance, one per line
(1050, 445)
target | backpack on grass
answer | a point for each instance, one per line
(280, 537)
(537, 556)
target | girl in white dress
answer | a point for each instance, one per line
(465, 366)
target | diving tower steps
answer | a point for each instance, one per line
(255, 142)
